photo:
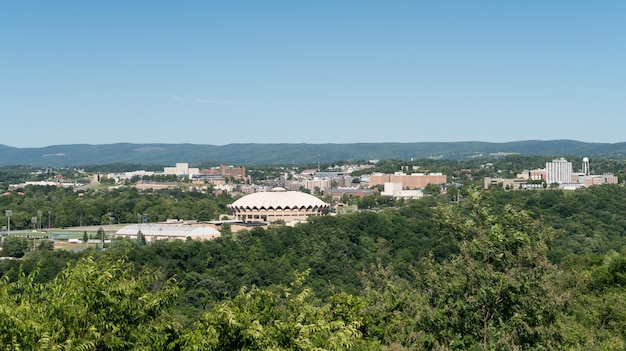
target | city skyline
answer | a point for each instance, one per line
(220, 73)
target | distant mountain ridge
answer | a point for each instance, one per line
(241, 154)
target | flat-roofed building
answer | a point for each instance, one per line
(339, 193)
(533, 174)
(181, 169)
(320, 183)
(607, 178)
(154, 186)
(397, 191)
(168, 231)
(506, 183)
(235, 172)
(412, 181)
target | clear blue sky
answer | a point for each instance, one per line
(221, 72)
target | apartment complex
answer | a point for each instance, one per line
(558, 171)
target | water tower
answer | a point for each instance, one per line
(585, 166)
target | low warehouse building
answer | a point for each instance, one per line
(159, 231)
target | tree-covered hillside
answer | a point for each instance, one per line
(254, 154)
(496, 271)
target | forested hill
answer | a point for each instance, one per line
(168, 154)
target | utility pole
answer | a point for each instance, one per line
(8, 213)
(138, 224)
(39, 214)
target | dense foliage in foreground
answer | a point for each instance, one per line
(474, 276)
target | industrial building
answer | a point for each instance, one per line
(168, 231)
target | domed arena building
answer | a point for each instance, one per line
(277, 205)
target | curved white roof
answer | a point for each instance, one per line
(156, 229)
(278, 198)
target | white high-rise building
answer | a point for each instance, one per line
(559, 171)
(181, 169)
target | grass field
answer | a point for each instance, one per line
(61, 237)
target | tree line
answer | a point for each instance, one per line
(62, 207)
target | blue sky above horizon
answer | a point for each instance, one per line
(222, 72)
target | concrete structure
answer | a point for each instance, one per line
(413, 181)
(126, 175)
(215, 179)
(168, 231)
(533, 174)
(311, 179)
(320, 184)
(340, 178)
(397, 191)
(225, 171)
(585, 168)
(277, 204)
(45, 183)
(577, 177)
(182, 170)
(339, 193)
(590, 180)
(584, 178)
(510, 184)
(154, 186)
(559, 171)
(235, 172)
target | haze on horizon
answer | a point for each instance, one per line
(218, 73)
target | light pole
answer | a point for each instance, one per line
(39, 214)
(8, 213)
(33, 220)
(138, 225)
(49, 220)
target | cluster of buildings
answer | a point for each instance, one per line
(214, 175)
(558, 173)
(57, 182)
(288, 204)
(217, 174)
(277, 205)
(407, 186)
(265, 204)
(336, 182)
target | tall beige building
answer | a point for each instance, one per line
(559, 171)
(181, 169)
